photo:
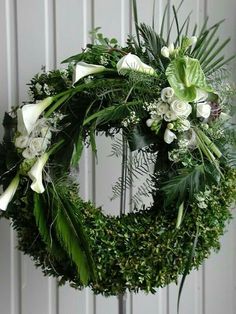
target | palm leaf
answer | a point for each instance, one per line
(136, 23)
(44, 228)
(70, 232)
(114, 113)
(184, 185)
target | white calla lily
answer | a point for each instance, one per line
(133, 63)
(28, 115)
(169, 136)
(83, 69)
(9, 193)
(36, 174)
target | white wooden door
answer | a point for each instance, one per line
(36, 33)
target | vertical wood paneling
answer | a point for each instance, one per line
(43, 33)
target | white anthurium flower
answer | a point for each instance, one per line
(203, 110)
(167, 94)
(169, 136)
(9, 193)
(28, 115)
(162, 108)
(83, 69)
(170, 116)
(185, 125)
(21, 141)
(36, 174)
(201, 95)
(133, 63)
(181, 108)
(165, 52)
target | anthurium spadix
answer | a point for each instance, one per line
(29, 114)
(83, 69)
(36, 173)
(133, 63)
(9, 193)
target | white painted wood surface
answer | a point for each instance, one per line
(41, 33)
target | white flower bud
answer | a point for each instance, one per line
(193, 40)
(171, 48)
(165, 52)
(149, 122)
(170, 126)
(169, 136)
(203, 110)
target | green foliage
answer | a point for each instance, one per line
(139, 251)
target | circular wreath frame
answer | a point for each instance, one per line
(138, 251)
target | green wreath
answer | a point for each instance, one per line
(172, 106)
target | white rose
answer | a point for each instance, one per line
(38, 145)
(170, 116)
(181, 108)
(165, 52)
(132, 62)
(169, 136)
(28, 153)
(185, 125)
(203, 110)
(21, 141)
(167, 94)
(162, 108)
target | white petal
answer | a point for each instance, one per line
(203, 110)
(83, 69)
(36, 174)
(9, 193)
(201, 95)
